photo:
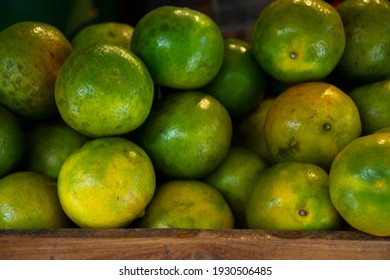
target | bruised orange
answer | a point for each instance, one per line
(311, 122)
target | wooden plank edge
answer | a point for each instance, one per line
(79, 244)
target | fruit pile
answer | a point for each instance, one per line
(168, 124)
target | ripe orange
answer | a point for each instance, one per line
(107, 183)
(240, 83)
(234, 178)
(48, 144)
(12, 141)
(31, 54)
(311, 122)
(359, 183)
(187, 134)
(182, 48)
(372, 101)
(292, 196)
(367, 49)
(115, 33)
(29, 200)
(104, 90)
(187, 204)
(298, 40)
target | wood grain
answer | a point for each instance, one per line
(158, 244)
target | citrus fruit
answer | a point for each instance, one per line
(48, 144)
(187, 204)
(12, 141)
(297, 40)
(234, 178)
(384, 129)
(29, 200)
(373, 101)
(115, 33)
(292, 196)
(187, 134)
(107, 183)
(104, 90)
(249, 131)
(359, 184)
(182, 48)
(367, 48)
(240, 83)
(31, 54)
(311, 122)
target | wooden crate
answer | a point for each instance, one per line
(179, 244)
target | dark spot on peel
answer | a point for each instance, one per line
(292, 146)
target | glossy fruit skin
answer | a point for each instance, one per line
(187, 204)
(187, 134)
(182, 48)
(367, 50)
(234, 179)
(311, 122)
(372, 100)
(31, 54)
(240, 83)
(48, 144)
(298, 41)
(292, 196)
(104, 90)
(115, 33)
(29, 200)
(359, 184)
(107, 183)
(12, 141)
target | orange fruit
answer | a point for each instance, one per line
(187, 134)
(12, 141)
(115, 33)
(359, 184)
(104, 90)
(367, 48)
(31, 54)
(107, 183)
(182, 48)
(48, 144)
(234, 178)
(187, 204)
(29, 200)
(311, 122)
(297, 40)
(292, 196)
(240, 83)
(249, 131)
(372, 101)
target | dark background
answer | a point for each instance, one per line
(235, 17)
